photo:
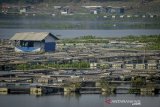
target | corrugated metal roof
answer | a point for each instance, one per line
(31, 36)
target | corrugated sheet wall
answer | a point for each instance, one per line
(50, 46)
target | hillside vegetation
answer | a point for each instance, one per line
(132, 6)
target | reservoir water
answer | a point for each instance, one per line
(84, 100)
(7, 33)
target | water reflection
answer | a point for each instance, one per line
(75, 100)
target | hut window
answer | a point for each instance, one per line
(27, 43)
(30, 44)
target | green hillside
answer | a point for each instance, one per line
(132, 6)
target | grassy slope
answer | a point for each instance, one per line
(133, 6)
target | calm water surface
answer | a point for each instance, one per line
(7, 33)
(87, 100)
